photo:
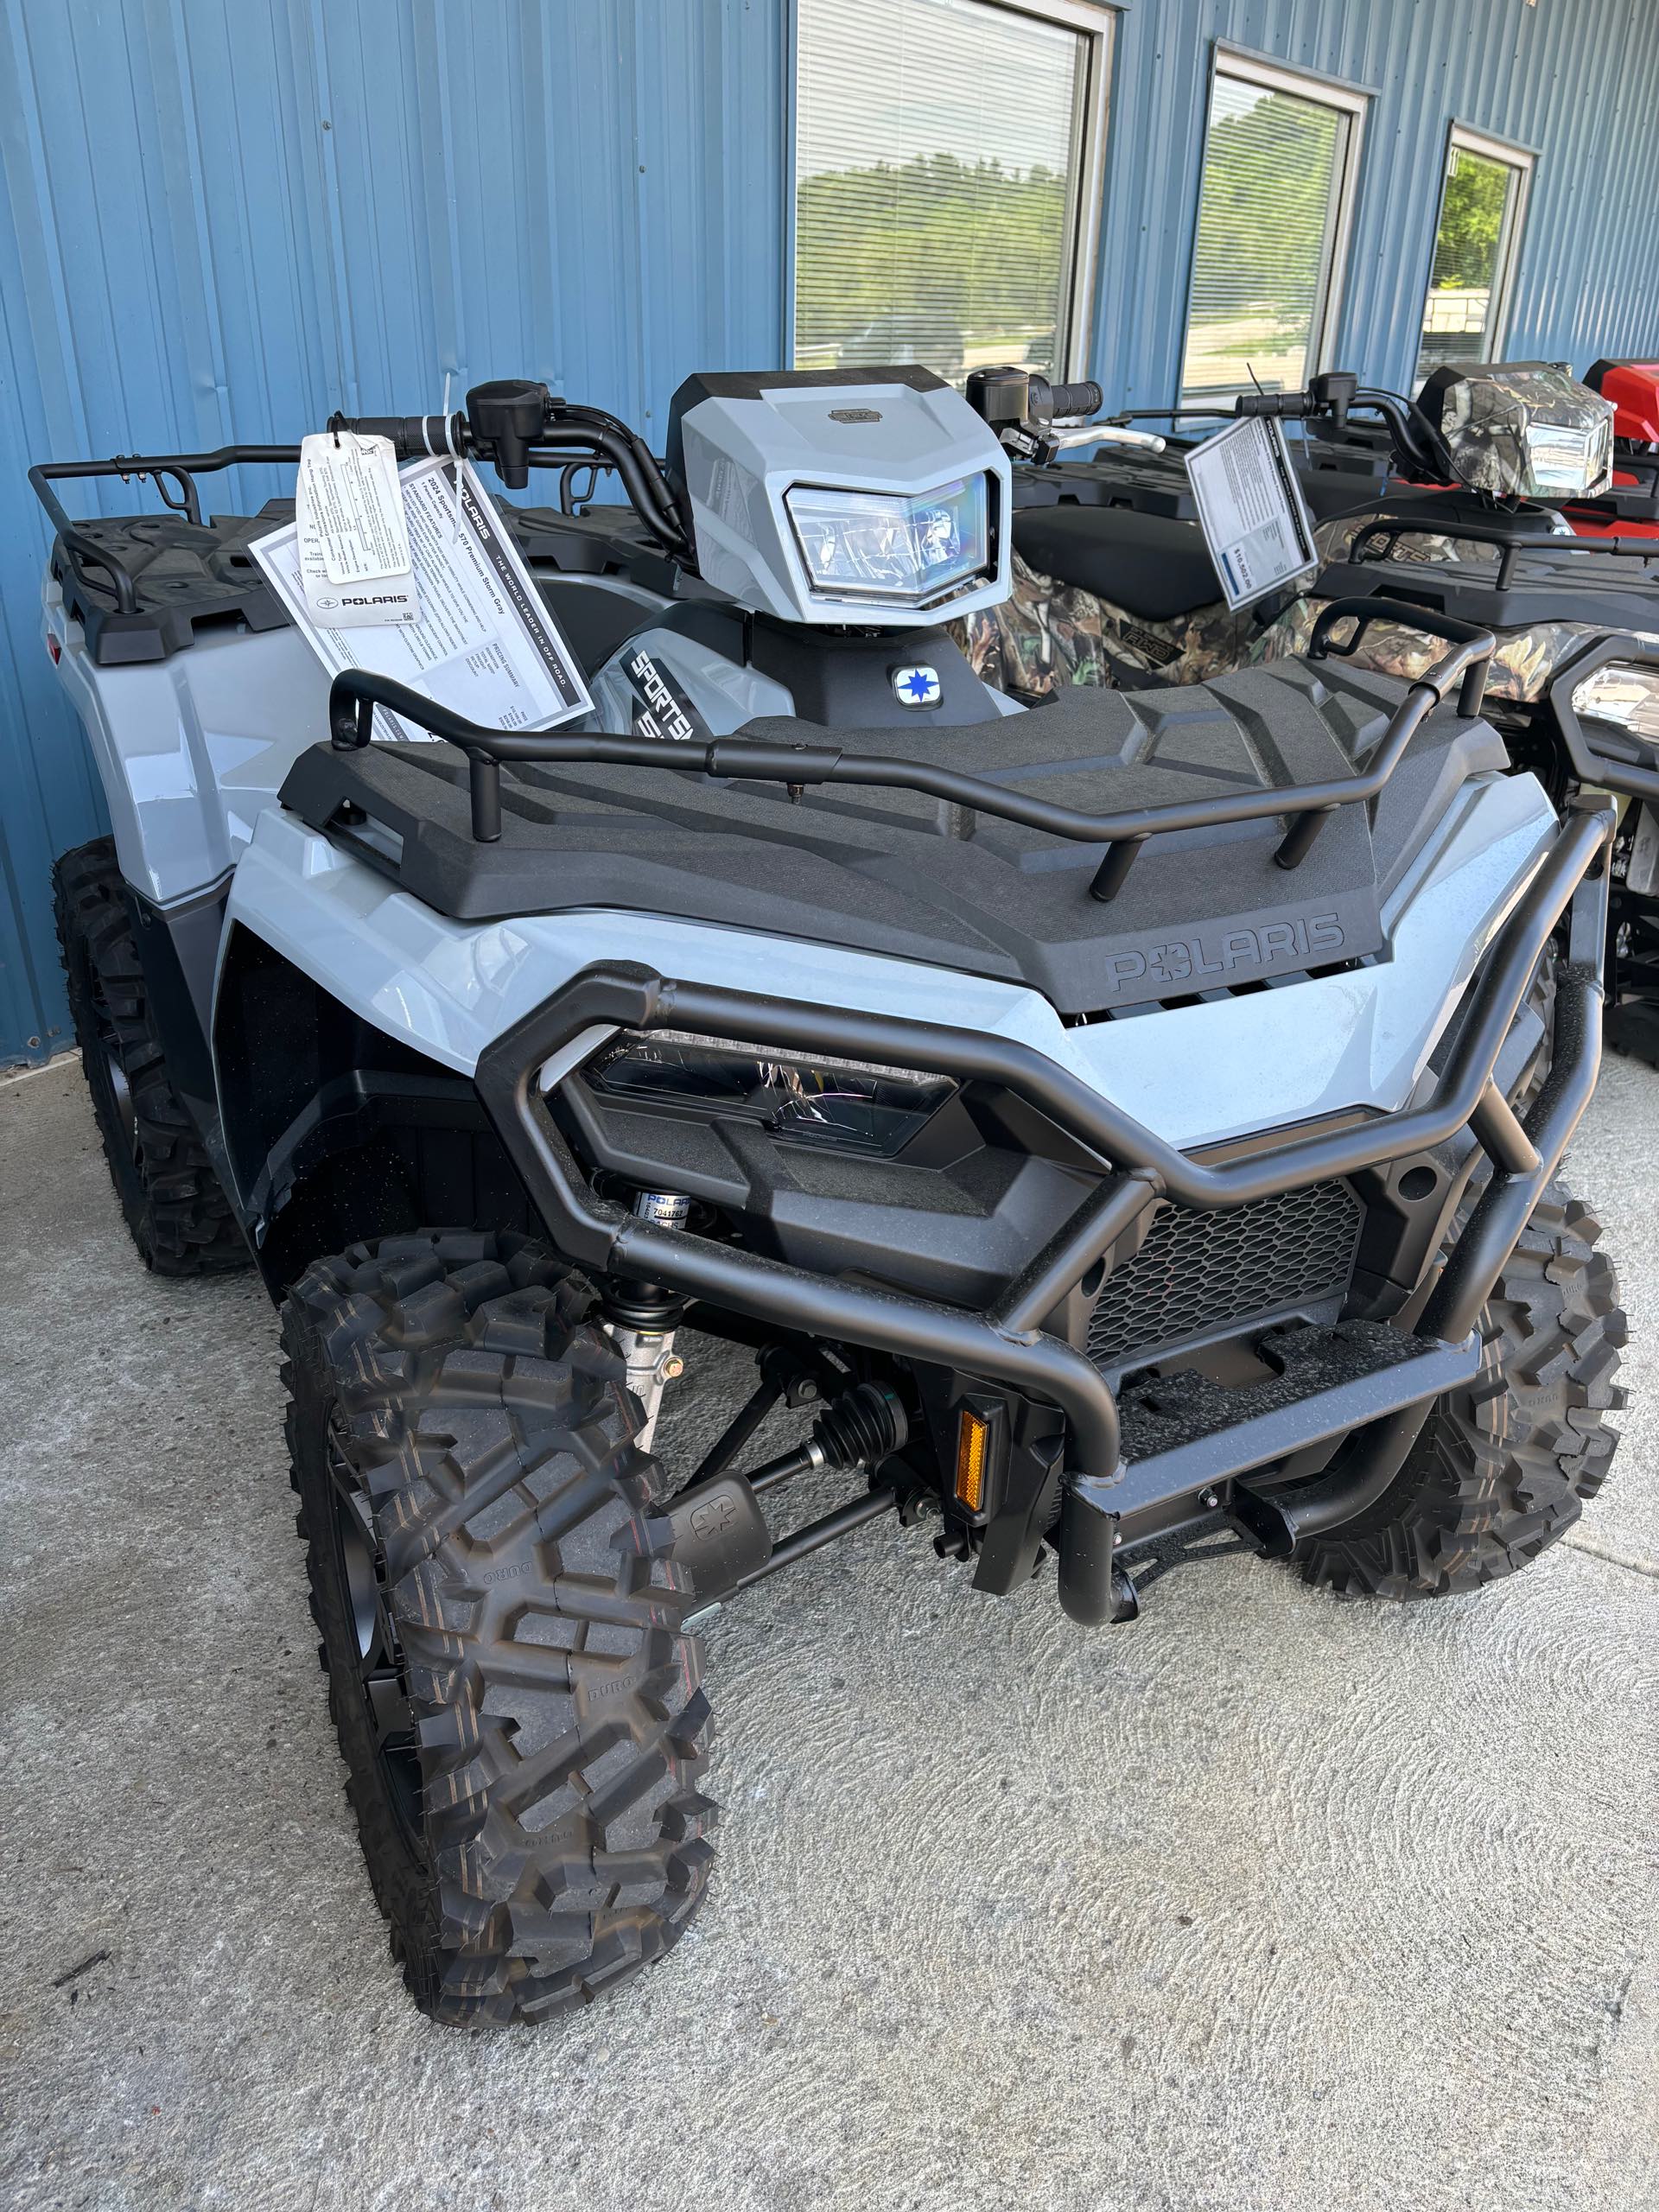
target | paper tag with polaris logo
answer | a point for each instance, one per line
(355, 567)
(660, 708)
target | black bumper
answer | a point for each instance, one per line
(1004, 1344)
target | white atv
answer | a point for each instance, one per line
(1133, 1123)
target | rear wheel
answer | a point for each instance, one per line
(174, 1205)
(516, 1700)
(1503, 1466)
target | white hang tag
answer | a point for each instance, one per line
(353, 536)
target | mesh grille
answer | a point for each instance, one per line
(1197, 1271)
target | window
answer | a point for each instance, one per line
(1280, 159)
(948, 181)
(1482, 203)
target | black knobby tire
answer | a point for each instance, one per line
(516, 1700)
(1503, 1466)
(173, 1202)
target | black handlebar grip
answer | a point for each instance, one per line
(411, 435)
(1083, 398)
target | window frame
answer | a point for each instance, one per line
(1350, 100)
(1095, 20)
(1522, 160)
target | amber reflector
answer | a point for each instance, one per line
(973, 1447)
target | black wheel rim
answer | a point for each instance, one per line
(115, 1074)
(121, 1092)
(380, 1674)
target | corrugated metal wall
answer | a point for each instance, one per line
(1575, 81)
(224, 218)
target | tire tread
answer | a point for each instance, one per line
(561, 1724)
(1504, 1467)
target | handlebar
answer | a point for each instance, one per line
(1085, 398)
(517, 425)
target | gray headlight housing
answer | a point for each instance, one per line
(841, 497)
(1523, 430)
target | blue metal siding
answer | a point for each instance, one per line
(224, 217)
(1576, 82)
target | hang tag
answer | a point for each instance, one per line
(1251, 510)
(489, 645)
(354, 536)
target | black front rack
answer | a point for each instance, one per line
(1006, 1342)
(355, 694)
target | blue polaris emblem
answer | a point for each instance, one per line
(916, 687)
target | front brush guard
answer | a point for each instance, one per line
(1004, 1344)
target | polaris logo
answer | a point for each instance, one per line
(1192, 963)
(917, 687)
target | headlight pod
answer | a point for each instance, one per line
(1567, 462)
(1625, 695)
(908, 548)
(847, 1104)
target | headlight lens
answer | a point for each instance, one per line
(1568, 462)
(908, 548)
(1623, 694)
(845, 1103)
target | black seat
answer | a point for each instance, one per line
(1147, 564)
(1340, 491)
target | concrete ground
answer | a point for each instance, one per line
(1271, 1901)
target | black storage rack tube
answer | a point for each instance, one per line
(1003, 1345)
(355, 693)
(183, 468)
(585, 433)
(1390, 525)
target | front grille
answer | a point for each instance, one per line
(1199, 1271)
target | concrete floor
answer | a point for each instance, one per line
(1268, 1901)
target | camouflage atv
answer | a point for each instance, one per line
(1499, 470)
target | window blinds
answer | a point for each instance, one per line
(1273, 175)
(937, 153)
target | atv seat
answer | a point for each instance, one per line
(1340, 491)
(1152, 568)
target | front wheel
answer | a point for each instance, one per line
(516, 1700)
(1502, 1466)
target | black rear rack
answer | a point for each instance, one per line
(1388, 529)
(178, 470)
(355, 694)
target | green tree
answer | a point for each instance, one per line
(1261, 213)
(1471, 221)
